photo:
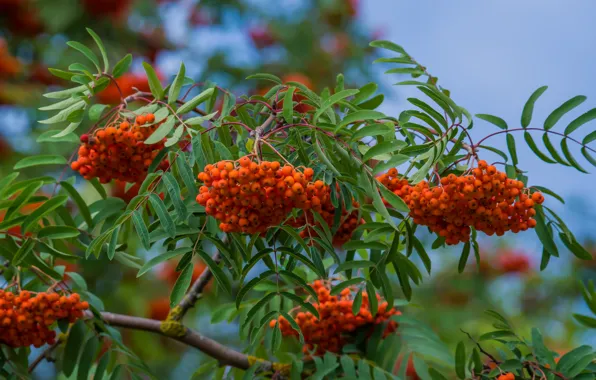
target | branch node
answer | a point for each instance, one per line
(172, 326)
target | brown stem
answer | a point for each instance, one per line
(225, 355)
(196, 289)
(44, 355)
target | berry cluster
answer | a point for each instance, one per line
(250, 197)
(486, 200)
(513, 262)
(332, 331)
(25, 318)
(119, 152)
(506, 376)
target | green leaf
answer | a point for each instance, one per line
(251, 284)
(498, 334)
(96, 110)
(323, 157)
(332, 100)
(300, 257)
(191, 104)
(38, 160)
(362, 115)
(87, 358)
(43, 210)
(460, 360)
(268, 77)
(359, 244)
(122, 66)
(358, 264)
(102, 366)
(112, 245)
(102, 49)
(154, 82)
(22, 199)
(218, 273)
(589, 138)
(174, 191)
(299, 281)
(23, 252)
(72, 350)
(186, 174)
(463, 259)
(495, 120)
(86, 52)
(553, 152)
(511, 148)
(526, 118)
(345, 284)
(534, 148)
(540, 349)
(393, 199)
(575, 248)
(306, 305)
(569, 157)
(357, 302)
(383, 44)
(372, 130)
(82, 206)
(164, 217)
(557, 114)
(162, 131)
(161, 258)
(581, 120)
(58, 232)
(288, 109)
(61, 73)
(393, 162)
(543, 232)
(585, 320)
(194, 121)
(7, 180)
(405, 70)
(587, 156)
(256, 308)
(177, 85)
(182, 285)
(382, 148)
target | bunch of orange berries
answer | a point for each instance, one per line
(486, 200)
(506, 376)
(337, 321)
(25, 319)
(250, 197)
(119, 151)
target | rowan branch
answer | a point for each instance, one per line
(223, 354)
(196, 289)
(44, 355)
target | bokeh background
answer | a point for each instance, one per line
(490, 55)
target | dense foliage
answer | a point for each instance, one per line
(290, 204)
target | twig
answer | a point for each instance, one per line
(44, 355)
(224, 355)
(196, 289)
(480, 347)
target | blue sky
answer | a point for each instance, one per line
(493, 55)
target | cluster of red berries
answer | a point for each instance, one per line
(506, 376)
(349, 222)
(513, 262)
(119, 151)
(250, 197)
(25, 318)
(337, 321)
(486, 200)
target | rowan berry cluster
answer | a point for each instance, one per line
(486, 200)
(506, 376)
(513, 262)
(119, 151)
(25, 318)
(337, 321)
(250, 197)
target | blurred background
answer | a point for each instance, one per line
(490, 55)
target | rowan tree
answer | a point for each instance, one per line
(306, 208)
